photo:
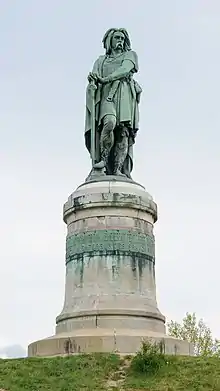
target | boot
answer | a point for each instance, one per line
(104, 159)
(117, 167)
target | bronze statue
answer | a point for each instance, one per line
(112, 112)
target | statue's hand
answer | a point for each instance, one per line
(92, 77)
(100, 79)
(104, 80)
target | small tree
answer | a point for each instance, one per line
(197, 333)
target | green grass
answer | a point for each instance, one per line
(86, 373)
(91, 373)
(182, 374)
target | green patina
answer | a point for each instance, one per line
(112, 107)
(123, 241)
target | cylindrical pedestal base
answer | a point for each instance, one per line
(110, 259)
(110, 297)
(104, 340)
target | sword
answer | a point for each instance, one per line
(93, 89)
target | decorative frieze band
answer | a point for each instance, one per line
(109, 241)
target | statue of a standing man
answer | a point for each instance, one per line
(116, 105)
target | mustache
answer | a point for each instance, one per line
(119, 44)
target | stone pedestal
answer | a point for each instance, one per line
(110, 298)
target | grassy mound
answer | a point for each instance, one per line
(98, 372)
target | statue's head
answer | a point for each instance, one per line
(117, 39)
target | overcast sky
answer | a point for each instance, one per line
(47, 49)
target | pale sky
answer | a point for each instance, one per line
(47, 49)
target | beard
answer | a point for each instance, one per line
(119, 46)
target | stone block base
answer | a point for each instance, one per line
(124, 341)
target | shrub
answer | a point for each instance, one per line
(150, 359)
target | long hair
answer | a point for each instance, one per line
(107, 40)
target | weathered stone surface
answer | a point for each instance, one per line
(124, 341)
(108, 195)
(110, 256)
(89, 221)
(110, 295)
